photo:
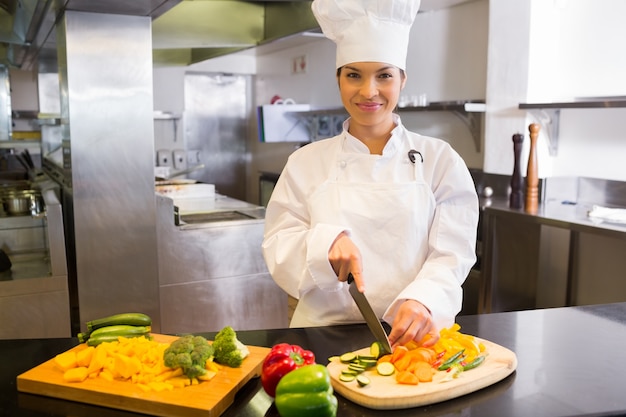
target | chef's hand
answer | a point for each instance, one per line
(345, 258)
(413, 322)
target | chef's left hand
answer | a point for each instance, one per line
(413, 322)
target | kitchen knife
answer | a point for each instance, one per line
(368, 313)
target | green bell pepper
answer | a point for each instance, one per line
(305, 392)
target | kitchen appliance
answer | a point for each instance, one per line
(370, 317)
(215, 118)
(280, 123)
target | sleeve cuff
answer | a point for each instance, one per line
(318, 244)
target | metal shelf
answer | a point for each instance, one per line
(469, 111)
(548, 114)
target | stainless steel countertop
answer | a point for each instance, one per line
(556, 213)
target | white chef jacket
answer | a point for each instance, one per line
(414, 223)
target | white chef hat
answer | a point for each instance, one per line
(367, 30)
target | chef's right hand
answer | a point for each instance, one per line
(345, 258)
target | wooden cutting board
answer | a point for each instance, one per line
(209, 398)
(384, 393)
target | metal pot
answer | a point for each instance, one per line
(21, 202)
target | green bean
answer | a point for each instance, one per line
(452, 360)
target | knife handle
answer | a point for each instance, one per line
(350, 278)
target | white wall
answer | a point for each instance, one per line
(557, 50)
(587, 40)
(447, 60)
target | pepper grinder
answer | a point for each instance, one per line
(532, 176)
(517, 193)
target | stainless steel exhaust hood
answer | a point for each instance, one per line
(183, 31)
(195, 31)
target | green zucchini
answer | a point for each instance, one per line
(121, 330)
(377, 350)
(131, 319)
(348, 357)
(95, 341)
(362, 380)
(346, 378)
(356, 368)
(367, 363)
(385, 368)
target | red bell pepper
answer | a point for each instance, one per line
(282, 359)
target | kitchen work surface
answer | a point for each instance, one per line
(385, 393)
(551, 378)
(209, 398)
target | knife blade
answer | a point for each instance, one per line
(368, 314)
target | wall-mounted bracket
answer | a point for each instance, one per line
(474, 123)
(548, 119)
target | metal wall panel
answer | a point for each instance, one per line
(217, 107)
(105, 65)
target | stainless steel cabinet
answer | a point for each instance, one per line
(211, 269)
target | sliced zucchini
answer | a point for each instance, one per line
(377, 350)
(348, 357)
(356, 368)
(362, 380)
(385, 368)
(367, 363)
(346, 378)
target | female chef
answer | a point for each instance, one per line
(397, 210)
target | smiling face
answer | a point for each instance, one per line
(369, 92)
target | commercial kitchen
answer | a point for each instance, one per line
(145, 139)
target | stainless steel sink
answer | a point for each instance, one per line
(222, 216)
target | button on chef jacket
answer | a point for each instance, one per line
(414, 223)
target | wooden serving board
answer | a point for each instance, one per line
(209, 398)
(384, 393)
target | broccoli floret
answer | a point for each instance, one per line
(229, 350)
(189, 353)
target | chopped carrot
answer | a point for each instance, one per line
(423, 371)
(398, 353)
(406, 377)
(427, 354)
(403, 363)
(384, 358)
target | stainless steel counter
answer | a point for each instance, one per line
(211, 269)
(556, 257)
(558, 213)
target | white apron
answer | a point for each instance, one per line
(389, 223)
